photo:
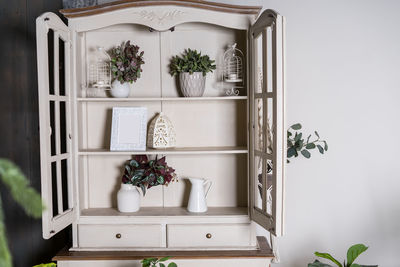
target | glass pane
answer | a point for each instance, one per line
(259, 64)
(61, 60)
(53, 128)
(259, 124)
(269, 126)
(64, 179)
(258, 182)
(50, 45)
(63, 127)
(54, 188)
(269, 168)
(269, 60)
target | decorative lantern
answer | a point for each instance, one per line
(233, 70)
(161, 133)
(100, 73)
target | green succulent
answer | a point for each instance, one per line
(191, 61)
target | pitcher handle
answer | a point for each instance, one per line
(209, 183)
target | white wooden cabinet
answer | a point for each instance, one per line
(229, 140)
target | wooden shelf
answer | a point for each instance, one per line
(169, 151)
(149, 99)
(166, 211)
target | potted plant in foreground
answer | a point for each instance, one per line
(144, 173)
(352, 253)
(192, 68)
(126, 68)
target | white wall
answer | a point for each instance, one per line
(343, 79)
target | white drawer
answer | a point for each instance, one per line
(118, 236)
(208, 235)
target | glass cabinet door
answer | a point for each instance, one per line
(54, 82)
(267, 121)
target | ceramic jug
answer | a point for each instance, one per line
(198, 194)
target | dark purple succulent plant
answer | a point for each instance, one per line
(145, 173)
(126, 62)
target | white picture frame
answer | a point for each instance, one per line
(128, 129)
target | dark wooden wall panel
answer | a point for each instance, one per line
(19, 124)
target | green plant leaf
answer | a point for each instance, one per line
(27, 197)
(321, 150)
(329, 257)
(326, 146)
(310, 146)
(165, 258)
(143, 187)
(308, 138)
(354, 251)
(317, 263)
(51, 264)
(298, 137)
(305, 153)
(162, 264)
(291, 152)
(316, 133)
(296, 126)
(172, 264)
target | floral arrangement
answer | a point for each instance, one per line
(145, 173)
(191, 61)
(126, 62)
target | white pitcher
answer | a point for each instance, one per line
(198, 194)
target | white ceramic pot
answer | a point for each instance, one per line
(128, 198)
(119, 89)
(192, 84)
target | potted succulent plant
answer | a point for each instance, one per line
(144, 173)
(192, 68)
(126, 67)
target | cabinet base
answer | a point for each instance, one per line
(261, 256)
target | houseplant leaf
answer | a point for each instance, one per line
(329, 257)
(354, 251)
(296, 126)
(305, 153)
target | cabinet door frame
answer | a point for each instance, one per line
(55, 157)
(270, 27)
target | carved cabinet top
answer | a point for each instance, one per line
(122, 4)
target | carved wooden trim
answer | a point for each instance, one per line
(107, 7)
(264, 251)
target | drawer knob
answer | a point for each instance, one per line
(208, 235)
(118, 236)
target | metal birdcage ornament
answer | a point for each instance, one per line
(100, 72)
(233, 70)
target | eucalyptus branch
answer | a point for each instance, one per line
(296, 144)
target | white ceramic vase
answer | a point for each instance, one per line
(128, 198)
(192, 85)
(120, 90)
